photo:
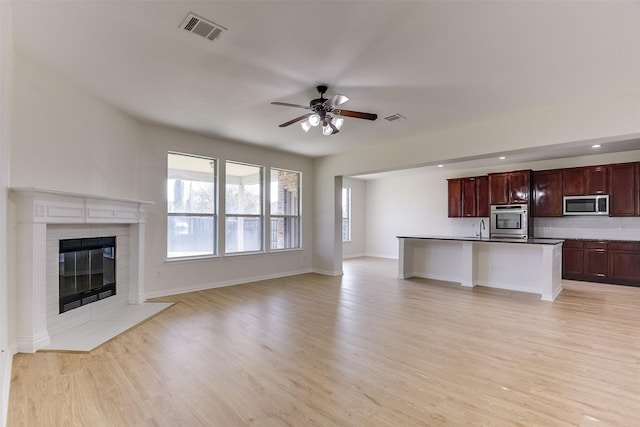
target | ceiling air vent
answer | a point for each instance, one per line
(202, 27)
(394, 117)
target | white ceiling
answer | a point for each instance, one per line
(438, 63)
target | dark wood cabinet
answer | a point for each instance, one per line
(508, 188)
(596, 260)
(469, 207)
(624, 262)
(499, 189)
(623, 190)
(573, 259)
(615, 262)
(586, 181)
(482, 196)
(455, 197)
(547, 193)
(573, 182)
(468, 197)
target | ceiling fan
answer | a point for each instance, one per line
(326, 112)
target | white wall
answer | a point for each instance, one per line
(415, 202)
(6, 70)
(586, 120)
(356, 247)
(166, 277)
(66, 139)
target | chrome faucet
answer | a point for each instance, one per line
(482, 227)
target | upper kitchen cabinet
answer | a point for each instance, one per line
(624, 199)
(586, 181)
(482, 196)
(509, 188)
(455, 197)
(468, 197)
(547, 193)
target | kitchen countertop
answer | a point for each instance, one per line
(601, 240)
(533, 241)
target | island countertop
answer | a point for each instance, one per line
(532, 241)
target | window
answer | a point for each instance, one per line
(346, 214)
(244, 208)
(285, 209)
(191, 206)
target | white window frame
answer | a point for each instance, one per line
(346, 193)
(213, 215)
(260, 216)
(297, 218)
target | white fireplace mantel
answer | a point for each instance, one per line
(36, 208)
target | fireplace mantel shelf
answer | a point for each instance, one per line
(38, 205)
(44, 191)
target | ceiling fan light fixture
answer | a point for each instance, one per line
(314, 120)
(337, 122)
(305, 125)
(326, 130)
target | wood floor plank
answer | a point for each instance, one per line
(364, 349)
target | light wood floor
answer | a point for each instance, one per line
(365, 349)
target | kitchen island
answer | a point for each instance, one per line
(525, 265)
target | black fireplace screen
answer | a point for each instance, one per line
(87, 271)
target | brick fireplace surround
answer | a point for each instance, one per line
(44, 217)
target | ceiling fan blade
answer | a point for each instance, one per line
(355, 114)
(286, 104)
(335, 100)
(296, 120)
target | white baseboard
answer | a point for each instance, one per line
(186, 289)
(385, 256)
(6, 360)
(328, 272)
(348, 256)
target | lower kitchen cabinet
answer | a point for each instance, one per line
(596, 261)
(615, 262)
(624, 262)
(573, 259)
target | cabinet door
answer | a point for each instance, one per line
(624, 262)
(547, 193)
(623, 193)
(469, 197)
(572, 259)
(519, 187)
(573, 182)
(482, 196)
(455, 198)
(596, 180)
(499, 189)
(596, 261)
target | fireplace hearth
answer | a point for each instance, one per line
(87, 271)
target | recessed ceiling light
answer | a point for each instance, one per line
(596, 146)
(440, 166)
(502, 157)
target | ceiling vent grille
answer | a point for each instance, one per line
(394, 117)
(202, 27)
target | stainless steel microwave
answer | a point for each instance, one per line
(586, 205)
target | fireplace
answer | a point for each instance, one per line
(44, 219)
(86, 271)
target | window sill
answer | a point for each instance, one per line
(191, 258)
(281, 251)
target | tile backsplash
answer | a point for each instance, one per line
(469, 227)
(588, 227)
